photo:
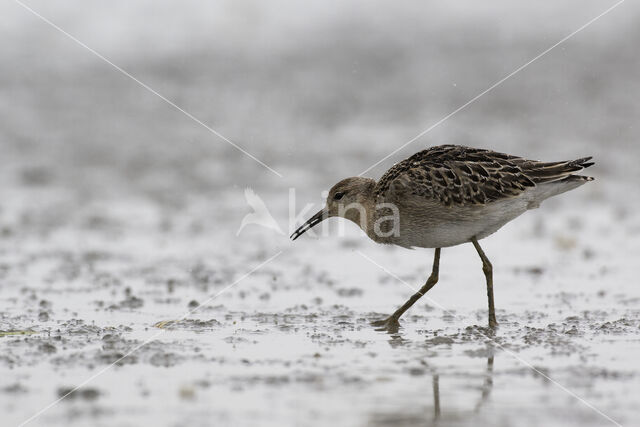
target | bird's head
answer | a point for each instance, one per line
(348, 199)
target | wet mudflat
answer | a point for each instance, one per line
(292, 343)
(121, 270)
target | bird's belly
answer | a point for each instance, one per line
(435, 238)
(444, 226)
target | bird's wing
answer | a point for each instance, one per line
(460, 175)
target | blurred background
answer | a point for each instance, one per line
(317, 91)
(93, 163)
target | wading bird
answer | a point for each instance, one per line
(446, 196)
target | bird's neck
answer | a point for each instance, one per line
(381, 222)
(363, 212)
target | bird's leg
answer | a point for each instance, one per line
(488, 274)
(391, 323)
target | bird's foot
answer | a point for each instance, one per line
(493, 324)
(389, 325)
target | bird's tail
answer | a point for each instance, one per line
(556, 178)
(542, 172)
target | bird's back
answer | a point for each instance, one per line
(448, 194)
(459, 175)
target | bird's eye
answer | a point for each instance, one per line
(338, 196)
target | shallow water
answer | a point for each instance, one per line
(121, 271)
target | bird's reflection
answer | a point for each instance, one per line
(436, 397)
(397, 339)
(488, 384)
(437, 414)
(487, 387)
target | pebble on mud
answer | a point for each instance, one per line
(187, 393)
(440, 340)
(47, 348)
(70, 393)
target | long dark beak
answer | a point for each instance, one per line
(311, 222)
